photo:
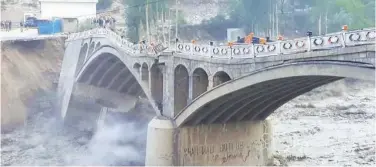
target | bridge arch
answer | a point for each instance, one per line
(145, 73)
(220, 77)
(181, 88)
(137, 67)
(200, 82)
(257, 95)
(91, 47)
(98, 45)
(111, 71)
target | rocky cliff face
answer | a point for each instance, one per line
(26, 68)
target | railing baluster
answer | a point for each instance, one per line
(309, 44)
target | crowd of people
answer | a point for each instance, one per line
(6, 25)
(104, 21)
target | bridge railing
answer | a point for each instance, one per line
(305, 44)
(114, 38)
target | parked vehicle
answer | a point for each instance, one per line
(31, 22)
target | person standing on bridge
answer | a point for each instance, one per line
(6, 25)
(100, 22)
(10, 25)
(21, 26)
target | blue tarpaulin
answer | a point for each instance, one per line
(49, 26)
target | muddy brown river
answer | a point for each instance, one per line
(331, 125)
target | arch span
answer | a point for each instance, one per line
(91, 47)
(260, 93)
(145, 73)
(200, 82)
(97, 45)
(107, 69)
(181, 89)
(137, 67)
(220, 77)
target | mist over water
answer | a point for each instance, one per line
(44, 141)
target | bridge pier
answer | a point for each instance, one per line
(242, 144)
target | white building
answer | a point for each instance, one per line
(68, 8)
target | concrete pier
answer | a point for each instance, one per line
(160, 143)
(240, 144)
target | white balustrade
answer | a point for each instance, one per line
(305, 44)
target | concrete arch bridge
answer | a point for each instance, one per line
(211, 102)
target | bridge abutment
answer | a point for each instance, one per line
(245, 143)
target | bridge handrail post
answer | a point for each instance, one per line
(231, 50)
(176, 47)
(191, 51)
(211, 48)
(279, 45)
(308, 43)
(343, 36)
(253, 53)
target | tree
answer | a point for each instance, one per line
(251, 14)
(295, 17)
(136, 14)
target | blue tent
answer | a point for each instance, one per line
(49, 26)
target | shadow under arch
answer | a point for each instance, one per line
(220, 77)
(200, 82)
(267, 89)
(82, 55)
(145, 73)
(181, 88)
(137, 67)
(97, 45)
(91, 47)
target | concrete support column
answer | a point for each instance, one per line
(150, 82)
(160, 143)
(190, 91)
(210, 84)
(168, 88)
(140, 72)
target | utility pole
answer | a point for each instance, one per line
(270, 19)
(320, 25)
(326, 20)
(273, 20)
(157, 25)
(277, 19)
(169, 28)
(176, 19)
(163, 27)
(147, 20)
